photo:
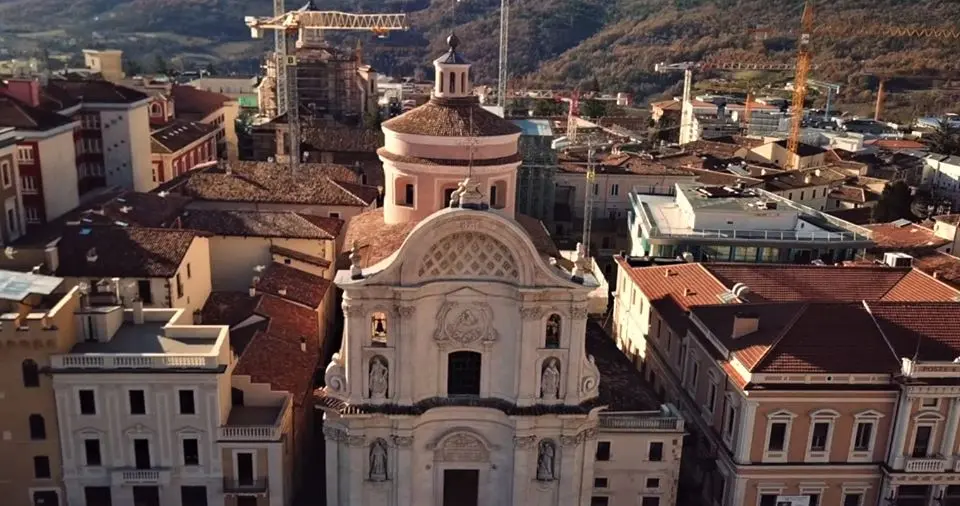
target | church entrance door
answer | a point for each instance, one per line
(461, 487)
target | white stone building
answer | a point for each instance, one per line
(469, 373)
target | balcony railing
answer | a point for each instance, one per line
(235, 486)
(140, 477)
(641, 422)
(249, 433)
(925, 465)
(140, 361)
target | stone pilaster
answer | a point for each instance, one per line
(744, 442)
(404, 472)
(523, 448)
(902, 424)
(947, 449)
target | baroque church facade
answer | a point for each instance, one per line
(467, 375)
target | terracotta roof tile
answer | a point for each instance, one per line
(622, 387)
(89, 91)
(943, 266)
(194, 103)
(893, 237)
(920, 331)
(278, 224)
(340, 139)
(375, 239)
(233, 309)
(296, 285)
(266, 182)
(917, 286)
(386, 154)
(298, 255)
(17, 114)
(452, 117)
(124, 252)
(857, 216)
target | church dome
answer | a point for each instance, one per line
(452, 117)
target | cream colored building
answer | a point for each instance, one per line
(469, 373)
(31, 332)
(108, 62)
(797, 380)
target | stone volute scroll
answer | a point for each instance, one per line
(378, 460)
(379, 378)
(334, 376)
(546, 455)
(550, 380)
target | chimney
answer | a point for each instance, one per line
(51, 257)
(303, 344)
(24, 90)
(138, 312)
(936, 274)
(745, 324)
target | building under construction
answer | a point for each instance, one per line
(332, 85)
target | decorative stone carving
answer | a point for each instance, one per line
(402, 441)
(406, 311)
(465, 324)
(570, 440)
(524, 441)
(588, 385)
(531, 313)
(550, 380)
(356, 272)
(351, 310)
(578, 313)
(379, 378)
(462, 447)
(334, 434)
(356, 440)
(469, 255)
(546, 454)
(378, 460)
(334, 375)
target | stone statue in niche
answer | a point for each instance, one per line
(545, 458)
(550, 380)
(378, 460)
(379, 378)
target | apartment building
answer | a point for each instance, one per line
(163, 268)
(35, 325)
(179, 146)
(194, 104)
(11, 223)
(113, 141)
(795, 379)
(734, 223)
(941, 176)
(45, 160)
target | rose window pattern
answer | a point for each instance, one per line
(469, 254)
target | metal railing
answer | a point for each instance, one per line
(134, 361)
(654, 421)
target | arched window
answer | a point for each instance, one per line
(155, 109)
(31, 373)
(552, 335)
(38, 430)
(453, 82)
(463, 373)
(378, 328)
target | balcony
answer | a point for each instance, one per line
(255, 423)
(140, 477)
(925, 465)
(237, 486)
(143, 361)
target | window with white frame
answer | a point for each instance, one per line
(923, 432)
(777, 439)
(614, 190)
(814, 493)
(32, 214)
(29, 184)
(821, 435)
(729, 420)
(864, 435)
(711, 400)
(25, 154)
(853, 494)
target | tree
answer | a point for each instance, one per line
(593, 109)
(372, 119)
(895, 203)
(945, 140)
(160, 65)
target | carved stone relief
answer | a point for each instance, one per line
(402, 441)
(379, 378)
(351, 310)
(531, 312)
(406, 311)
(524, 441)
(469, 254)
(546, 454)
(378, 460)
(578, 313)
(465, 323)
(462, 447)
(550, 380)
(334, 375)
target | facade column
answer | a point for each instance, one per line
(332, 467)
(587, 463)
(403, 475)
(530, 317)
(900, 435)
(747, 420)
(275, 470)
(739, 492)
(571, 465)
(578, 327)
(950, 434)
(523, 446)
(353, 368)
(405, 385)
(356, 456)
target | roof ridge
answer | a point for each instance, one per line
(866, 306)
(348, 192)
(766, 354)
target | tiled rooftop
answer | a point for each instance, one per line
(451, 117)
(22, 116)
(904, 237)
(297, 286)
(178, 134)
(265, 182)
(622, 387)
(89, 91)
(277, 224)
(194, 103)
(124, 252)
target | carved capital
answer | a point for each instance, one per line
(524, 441)
(406, 311)
(356, 440)
(531, 312)
(333, 434)
(350, 310)
(570, 440)
(402, 441)
(578, 313)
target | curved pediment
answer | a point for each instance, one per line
(469, 254)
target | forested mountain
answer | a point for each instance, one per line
(552, 42)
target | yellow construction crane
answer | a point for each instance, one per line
(804, 57)
(299, 22)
